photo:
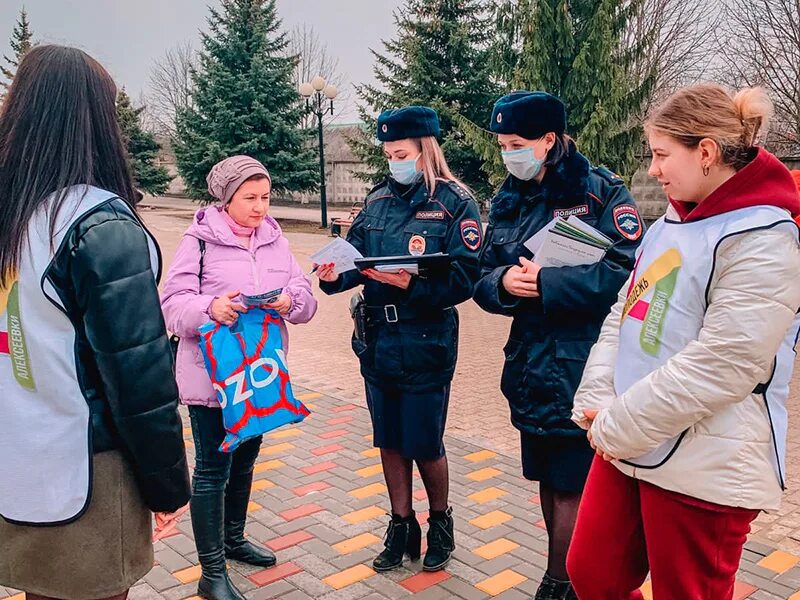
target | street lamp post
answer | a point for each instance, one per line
(319, 95)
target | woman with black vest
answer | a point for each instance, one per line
(556, 312)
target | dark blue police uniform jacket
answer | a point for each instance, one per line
(412, 338)
(551, 336)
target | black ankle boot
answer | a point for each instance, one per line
(554, 589)
(237, 497)
(403, 536)
(441, 541)
(207, 524)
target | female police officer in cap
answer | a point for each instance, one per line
(556, 312)
(408, 356)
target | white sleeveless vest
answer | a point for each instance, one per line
(667, 302)
(45, 427)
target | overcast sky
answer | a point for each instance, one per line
(127, 35)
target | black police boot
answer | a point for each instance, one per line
(237, 497)
(207, 524)
(441, 541)
(554, 589)
(403, 536)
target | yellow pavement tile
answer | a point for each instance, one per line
(349, 577)
(505, 580)
(17, 597)
(647, 590)
(496, 517)
(268, 465)
(495, 549)
(356, 543)
(365, 514)
(370, 471)
(779, 561)
(285, 433)
(187, 431)
(372, 489)
(262, 484)
(795, 596)
(310, 406)
(484, 474)
(487, 495)
(479, 456)
(368, 437)
(371, 453)
(253, 506)
(188, 575)
(309, 396)
(193, 598)
(276, 449)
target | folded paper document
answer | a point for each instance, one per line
(568, 243)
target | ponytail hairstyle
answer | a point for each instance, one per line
(737, 122)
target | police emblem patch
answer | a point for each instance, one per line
(627, 222)
(416, 245)
(471, 234)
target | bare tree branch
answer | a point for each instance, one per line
(171, 87)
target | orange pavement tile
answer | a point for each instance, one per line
(487, 495)
(285, 433)
(422, 581)
(795, 596)
(273, 574)
(357, 543)
(370, 471)
(344, 408)
(187, 431)
(330, 449)
(276, 449)
(349, 577)
(338, 421)
(190, 598)
(268, 465)
(262, 484)
(365, 514)
(326, 466)
(371, 453)
(779, 561)
(300, 511)
(497, 584)
(308, 396)
(495, 549)
(253, 506)
(536, 500)
(496, 517)
(287, 541)
(317, 486)
(369, 437)
(742, 590)
(420, 495)
(188, 575)
(17, 597)
(480, 456)
(484, 474)
(329, 435)
(541, 524)
(372, 489)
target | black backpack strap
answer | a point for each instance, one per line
(202, 258)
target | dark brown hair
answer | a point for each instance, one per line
(58, 128)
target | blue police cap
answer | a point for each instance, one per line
(409, 122)
(529, 115)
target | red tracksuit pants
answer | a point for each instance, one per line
(627, 527)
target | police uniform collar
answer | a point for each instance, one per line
(562, 184)
(415, 193)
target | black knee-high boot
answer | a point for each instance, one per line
(237, 497)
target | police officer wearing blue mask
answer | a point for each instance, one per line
(556, 312)
(408, 352)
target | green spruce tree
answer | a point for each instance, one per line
(142, 148)
(21, 42)
(244, 101)
(440, 57)
(577, 51)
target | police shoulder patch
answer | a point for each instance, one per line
(471, 234)
(628, 222)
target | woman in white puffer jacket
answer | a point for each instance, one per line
(684, 393)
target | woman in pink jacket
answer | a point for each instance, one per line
(230, 249)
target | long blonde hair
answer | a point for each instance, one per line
(735, 122)
(434, 164)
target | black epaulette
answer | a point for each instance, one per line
(457, 189)
(608, 175)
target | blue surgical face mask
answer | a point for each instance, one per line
(404, 172)
(523, 163)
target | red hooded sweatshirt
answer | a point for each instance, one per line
(764, 181)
